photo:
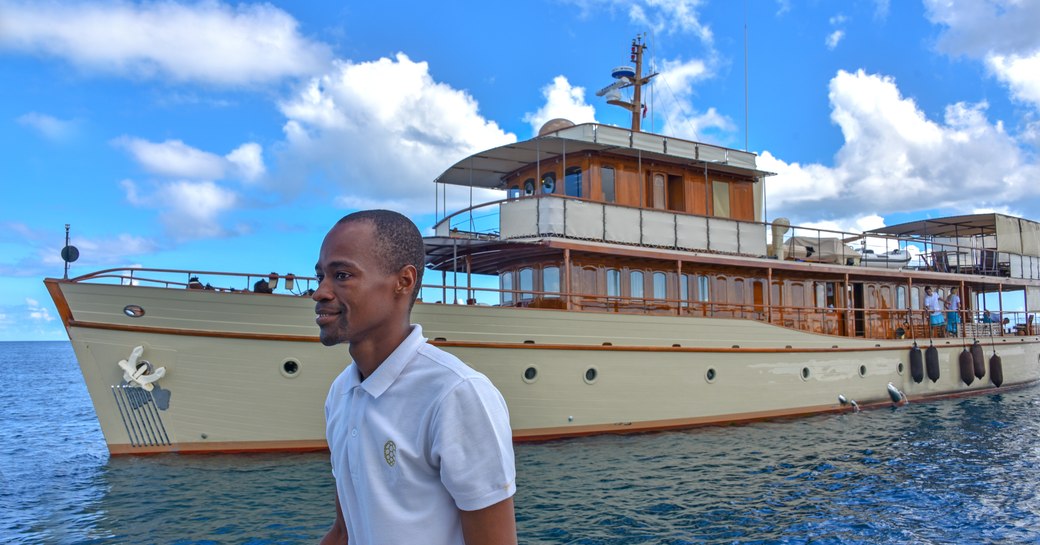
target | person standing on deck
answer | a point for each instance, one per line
(933, 304)
(421, 447)
(953, 307)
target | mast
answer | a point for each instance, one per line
(628, 76)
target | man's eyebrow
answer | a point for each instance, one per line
(336, 265)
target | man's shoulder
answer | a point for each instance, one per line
(446, 363)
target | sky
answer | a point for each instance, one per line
(230, 136)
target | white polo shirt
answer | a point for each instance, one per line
(419, 439)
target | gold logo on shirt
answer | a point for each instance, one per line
(390, 453)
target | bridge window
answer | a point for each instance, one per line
(720, 198)
(548, 182)
(635, 284)
(607, 183)
(514, 192)
(660, 285)
(703, 288)
(529, 187)
(551, 280)
(613, 283)
(505, 283)
(526, 283)
(572, 182)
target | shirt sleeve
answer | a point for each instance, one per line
(473, 444)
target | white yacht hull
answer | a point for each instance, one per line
(228, 389)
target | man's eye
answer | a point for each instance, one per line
(320, 277)
(342, 276)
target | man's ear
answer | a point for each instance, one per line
(406, 278)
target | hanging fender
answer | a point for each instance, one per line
(916, 364)
(996, 370)
(966, 367)
(978, 360)
(931, 361)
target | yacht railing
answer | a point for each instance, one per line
(577, 218)
(843, 321)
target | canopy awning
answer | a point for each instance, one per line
(950, 226)
(487, 256)
(488, 168)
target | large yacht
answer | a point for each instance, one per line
(624, 281)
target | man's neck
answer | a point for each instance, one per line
(369, 353)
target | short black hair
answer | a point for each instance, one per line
(398, 242)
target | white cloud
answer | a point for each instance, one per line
(175, 159)
(675, 89)
(1020, 73)
(37, 313)
(561, 101)
(834, 38)
(782, 7)
(188, 209)
(1001, 33)
(206, 42)
(48, 126)
(380, 131)
(895, 159)
(659, 16)
(248, 160)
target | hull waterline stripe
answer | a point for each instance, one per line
(526, 346)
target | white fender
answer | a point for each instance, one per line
(142, 376)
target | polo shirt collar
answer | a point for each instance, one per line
(388, 371)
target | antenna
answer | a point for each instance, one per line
(745, 78)
(629, 76)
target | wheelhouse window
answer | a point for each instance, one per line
(720, 198)
(513, 193)
(548, 182)
(607, 184)
(551, 280)
(572, 182)
(505, 283)
(658, 191)
(635, 284)
(703, 288)
(660, 281)
(613, 283)
(526, 283)
(529, 187)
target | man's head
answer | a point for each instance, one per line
(927, 290)
(369, 272)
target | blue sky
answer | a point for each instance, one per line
(217, 136)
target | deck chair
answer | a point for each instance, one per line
(1026, 328)
(941, 261)
(988, 265)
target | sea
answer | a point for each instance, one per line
(953, 471)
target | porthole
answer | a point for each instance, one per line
(591, 374)
(899, 368)
(530, 374)
(806, 373)
(133, 311)
(290, 368)
(710, 375)
(862, 370)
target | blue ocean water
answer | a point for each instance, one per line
(954, 471)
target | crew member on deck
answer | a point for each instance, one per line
(934, 304)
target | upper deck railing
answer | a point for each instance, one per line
(582, 219)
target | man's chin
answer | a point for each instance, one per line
(328, 339)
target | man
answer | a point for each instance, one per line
(420, 443)
(933, 303)
(953, 315)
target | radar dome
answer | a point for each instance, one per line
(554, 125)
